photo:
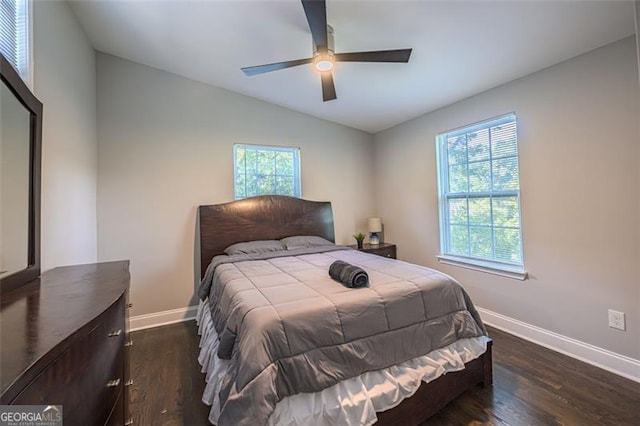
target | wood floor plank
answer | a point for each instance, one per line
(168, 385)
(532, 386)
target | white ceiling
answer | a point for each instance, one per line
(460, 48)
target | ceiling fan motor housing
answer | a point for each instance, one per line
(324, 60)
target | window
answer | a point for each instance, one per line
(266, 170)
(480, 197)
(14, 34)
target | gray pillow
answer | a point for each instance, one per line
(255, 247)
(303, 241)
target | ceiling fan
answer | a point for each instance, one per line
(324, 56)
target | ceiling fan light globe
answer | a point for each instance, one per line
(323, 65)
(324, 61)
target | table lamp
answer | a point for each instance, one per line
(375, 227)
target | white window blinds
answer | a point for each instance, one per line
(14, 34)
(480, 192)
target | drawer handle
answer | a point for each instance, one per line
(128, 382)
(129, 422)
(115, 333)
(113, 383)
(129, 343)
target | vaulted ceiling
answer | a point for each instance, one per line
(460, 48)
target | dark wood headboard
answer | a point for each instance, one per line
(267, 217)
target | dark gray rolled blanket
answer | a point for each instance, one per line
(349, 275)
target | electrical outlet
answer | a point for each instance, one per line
(616, 320)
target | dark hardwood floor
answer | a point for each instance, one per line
(532, 386)
(167, 383)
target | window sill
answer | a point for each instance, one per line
(507, 271)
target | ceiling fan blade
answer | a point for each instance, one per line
(328, 88)
(400, 55)
(261, 69)
(316, 12)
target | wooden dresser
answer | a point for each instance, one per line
(65, 341)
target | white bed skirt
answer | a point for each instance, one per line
(350, 402)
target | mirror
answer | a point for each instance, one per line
(14, 183)
(20, 146)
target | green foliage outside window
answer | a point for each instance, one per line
(265, 170)
(479, 185)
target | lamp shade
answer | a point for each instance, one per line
(375, 224)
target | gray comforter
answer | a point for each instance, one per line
(300, 331)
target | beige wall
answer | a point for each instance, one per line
(64, 81)
(579, 149)
(165, 146)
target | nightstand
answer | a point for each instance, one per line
(382, 249)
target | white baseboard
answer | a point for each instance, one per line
(140, 322)
(619, 364)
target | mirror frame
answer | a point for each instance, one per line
(12, 79)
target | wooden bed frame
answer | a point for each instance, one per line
(273, 217)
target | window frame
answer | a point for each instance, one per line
(297, 175)
(502, 268)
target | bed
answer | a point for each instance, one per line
(307, 371)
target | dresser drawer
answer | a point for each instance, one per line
(88, 377)
(117, 415)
